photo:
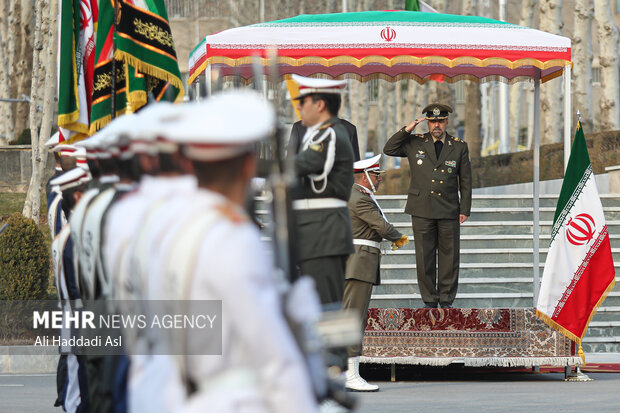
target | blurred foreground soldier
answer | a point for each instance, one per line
(73, 396)
(370, 227)
(324, 165)
(440, 170)
(216, 254)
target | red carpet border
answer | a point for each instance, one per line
(477, 337)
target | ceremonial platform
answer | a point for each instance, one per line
(475, 337)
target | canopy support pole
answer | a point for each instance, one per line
(536, 186)
(568, 114)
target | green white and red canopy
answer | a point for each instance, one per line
(391, 45)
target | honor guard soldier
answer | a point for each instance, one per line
(324, 165)
(73, 397)
(370, 227)
(440, 171)
(215, 253)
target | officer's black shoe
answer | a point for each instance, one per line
(430, 305)
(445, 305)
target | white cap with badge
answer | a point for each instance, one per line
(310, 85)
(71, 179)
(368, 165)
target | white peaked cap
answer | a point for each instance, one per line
(53, 140)
(71, 179)
(370, 164)
(221, 127)
(310, 85)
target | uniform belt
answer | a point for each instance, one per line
(367, 242)
(318, 203)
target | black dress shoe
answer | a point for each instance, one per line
(445, 305)
(430, 305)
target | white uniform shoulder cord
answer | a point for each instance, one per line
(372, 196)
(329, 160)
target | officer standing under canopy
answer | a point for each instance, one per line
(324, 166)
(440, 170)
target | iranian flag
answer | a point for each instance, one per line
(76, 58)
(579, 271)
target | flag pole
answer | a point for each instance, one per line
(113, 79)
(536, 187)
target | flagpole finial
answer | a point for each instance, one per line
(578, 116)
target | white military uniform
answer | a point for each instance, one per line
(214, 252)
(258, 371)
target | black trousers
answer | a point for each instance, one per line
(437, 244)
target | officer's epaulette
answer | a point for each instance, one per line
(323, 127)
(419, 135)
(456, 139)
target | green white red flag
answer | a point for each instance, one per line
(146, 61)
(76, 38)
(579, 271)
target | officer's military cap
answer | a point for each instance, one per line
(310, 85)
(53, 140)
(368, 165)
(71, 179)
(222, 127)
(64, 149)
(80, 157)
(437, 111)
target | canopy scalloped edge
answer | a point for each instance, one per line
(418, 79)
(403, 59)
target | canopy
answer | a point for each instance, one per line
(390, 45)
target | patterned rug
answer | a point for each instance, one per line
(506, 337)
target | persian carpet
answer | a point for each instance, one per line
(506, 337)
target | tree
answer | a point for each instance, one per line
(44, 38)
(582, 56)
(608, 60)
(473, 122)
(551, 94)
(517, 106)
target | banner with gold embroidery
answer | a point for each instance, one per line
(146, 63)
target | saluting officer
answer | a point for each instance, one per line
(370, 227)
(324, 165)
(439, 169)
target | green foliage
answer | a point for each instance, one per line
(23, 138)
(24, 260)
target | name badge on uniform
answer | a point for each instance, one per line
(420, 155)
(451, 163)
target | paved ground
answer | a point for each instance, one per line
(438, 390)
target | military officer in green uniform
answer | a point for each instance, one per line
(439, 170)
(370, 227)
(324, 166)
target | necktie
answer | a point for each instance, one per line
(438, 146)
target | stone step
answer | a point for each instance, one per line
(507, 214)
(486, 201)
(501, 227)
(479, 255)
(471, 270)
(472, 300)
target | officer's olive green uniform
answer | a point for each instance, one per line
(433, 203)
(323, 235)
(363, 266)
